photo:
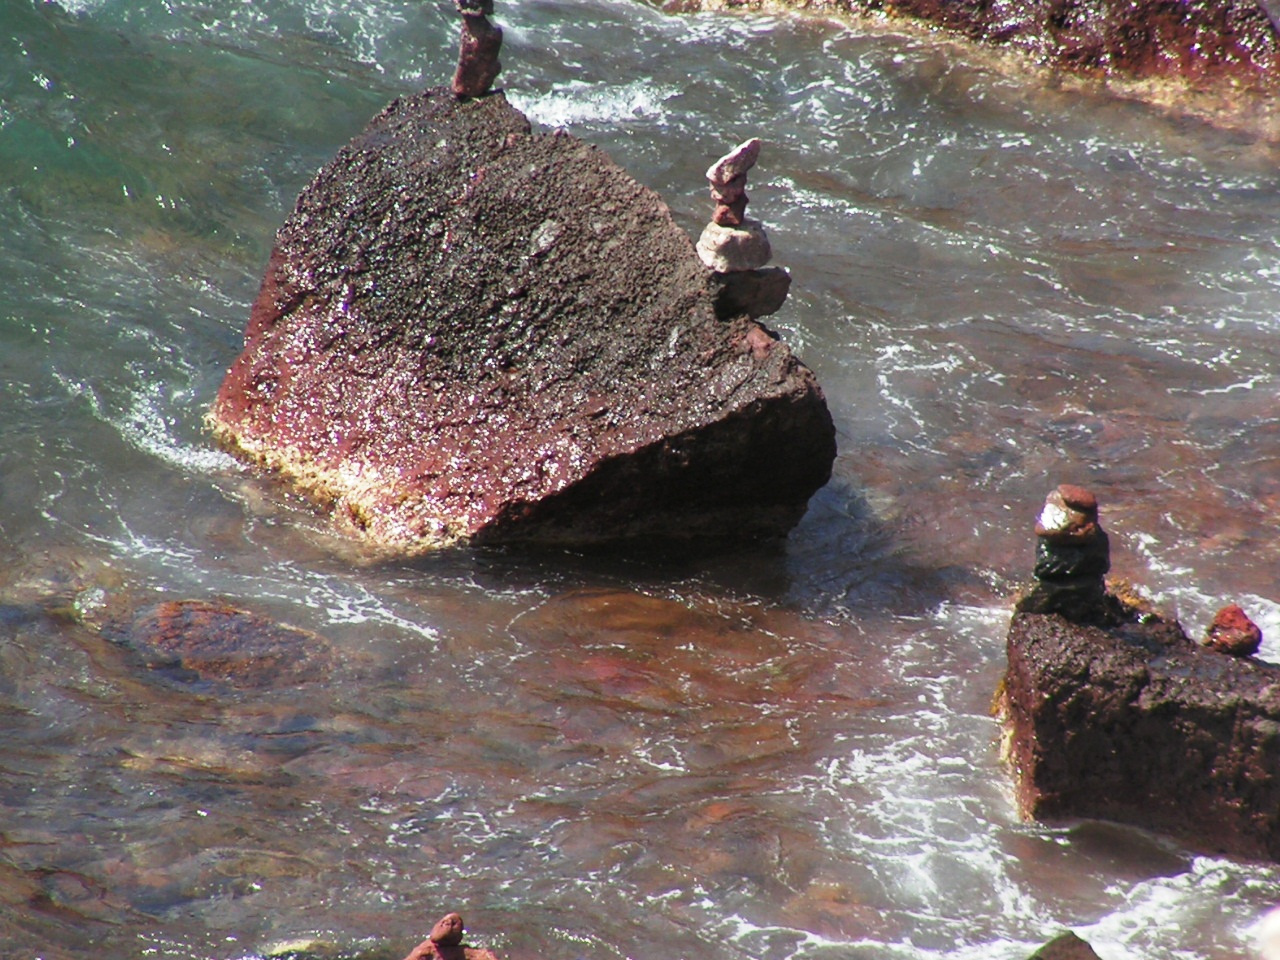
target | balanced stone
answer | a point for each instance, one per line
(481, 41)
(1073, 555)
(742, 247)
(735, 163)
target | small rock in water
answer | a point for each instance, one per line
(1232, 632)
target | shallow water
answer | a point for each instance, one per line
(776, 753)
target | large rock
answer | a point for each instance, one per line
(1234, 40)
(471, 332)
(1137, 723)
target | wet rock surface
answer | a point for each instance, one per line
(197, 639)
(1149, 39)
(1065, 947)
(1139, 724)
(471, 332)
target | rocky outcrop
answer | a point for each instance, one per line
(1114, 713)
(468, 331)
(1197, 40)
(1067, 946)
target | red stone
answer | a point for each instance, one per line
(478, 64)
(212, 641)
(1232, 632)
(731, 214)
(1078, 498)
(731, 191)
(1200, 40)
(448, 930)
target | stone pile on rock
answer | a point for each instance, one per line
(478, 64)
(1111, 711)
(1073, 556)
(736, 247)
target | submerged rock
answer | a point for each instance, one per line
(189, 639)
(1123, 717)
(468, 331)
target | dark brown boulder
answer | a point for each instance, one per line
(1139, 724)
(468, 331)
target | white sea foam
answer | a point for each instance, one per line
(576, 102)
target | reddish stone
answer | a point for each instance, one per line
(1078, 498)
(478, 64)
(731, 214)
(1199, 40)
(1232, 632)
(469, 332)
(730, 191)
(448, 930)
(217, 642)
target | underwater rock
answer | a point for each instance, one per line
(1065, 947)
(1232, 632)
(189, 639)
(470, 332)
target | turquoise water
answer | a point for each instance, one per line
(1001, 286)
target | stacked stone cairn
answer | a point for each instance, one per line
(1073, 556)
(735, 247)
(478, 64)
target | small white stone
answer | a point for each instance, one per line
(731, 249)
(736, 162)
(1054, 518)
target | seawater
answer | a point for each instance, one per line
(780, 753)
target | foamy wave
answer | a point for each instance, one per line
(576, 102)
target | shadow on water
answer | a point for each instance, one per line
(839, 557)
